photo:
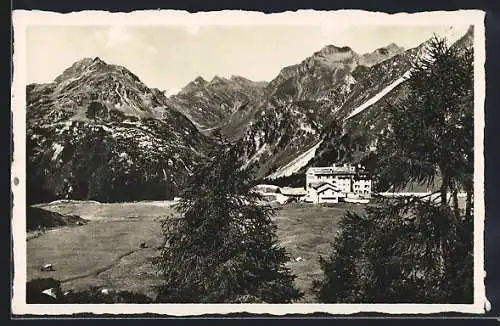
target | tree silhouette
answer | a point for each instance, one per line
(223, 247)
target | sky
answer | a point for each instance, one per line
(168, 57)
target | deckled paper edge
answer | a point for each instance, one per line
(23, 18)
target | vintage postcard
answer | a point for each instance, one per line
(215, 162)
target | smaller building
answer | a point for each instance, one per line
(296, 194)
(266, 189)
(282, 195)
(322, 192)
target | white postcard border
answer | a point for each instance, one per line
(22, 19)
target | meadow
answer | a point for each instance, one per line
(106, 252)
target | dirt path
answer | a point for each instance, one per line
(101, 270)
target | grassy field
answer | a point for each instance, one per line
(307, 231)
(106, 252)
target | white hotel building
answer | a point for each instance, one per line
(328, 184)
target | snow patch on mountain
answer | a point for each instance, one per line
(296, 164)
(379, 95)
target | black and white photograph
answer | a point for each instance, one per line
(234, 161)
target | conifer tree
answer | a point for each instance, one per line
(399, 253)
(415, 250)
(431, 130)
(222, 248)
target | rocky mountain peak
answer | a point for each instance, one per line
(237, 79)
(332, 49)
(99, 120)
(218, 80)
(466, 41)
(335, 52)
(194, 85)
(394, 46)
(245, 82)
(389, 49)
(86, 62)
(332, 57)
(199, 80)
(210, 104)
(91, 80)
(380, 54)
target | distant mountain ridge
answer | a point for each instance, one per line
(299, 104)
(97, 132)
(230, 104)
(362, 115)
(380, 54)
(208, 104)
(336, 87)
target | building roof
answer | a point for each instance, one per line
(266, 187)
(326, 185)
(346, 169)
(288, 191)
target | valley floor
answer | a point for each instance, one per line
(106, 252)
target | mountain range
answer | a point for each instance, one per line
(209, 104)
(97, 132)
